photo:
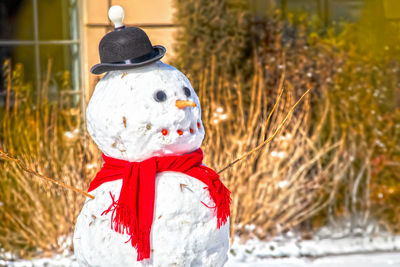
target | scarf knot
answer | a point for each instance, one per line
(132, 212)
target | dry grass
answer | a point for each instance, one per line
(293, 178)
(35, 216)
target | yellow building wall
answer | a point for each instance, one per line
(155, 17)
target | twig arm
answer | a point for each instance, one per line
(269, 139)
(4, 155)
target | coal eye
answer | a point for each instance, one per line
(160, 96)
(187, 91)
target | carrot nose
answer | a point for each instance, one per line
(184, 103)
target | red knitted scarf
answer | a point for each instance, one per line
(132, 213)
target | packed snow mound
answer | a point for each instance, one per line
(134, 115)
(126, 121)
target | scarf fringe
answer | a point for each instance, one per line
(222, 200)
(224, 211)
(143, 244)
(121, 222)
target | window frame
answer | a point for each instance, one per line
(36, 43)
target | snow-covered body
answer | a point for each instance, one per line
(183, 233)
(127, 122)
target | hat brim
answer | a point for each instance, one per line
(159, 52)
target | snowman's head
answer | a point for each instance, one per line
(144, 112)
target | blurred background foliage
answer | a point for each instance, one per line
(335, 164)
(353, 70)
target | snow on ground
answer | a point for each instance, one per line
(292, 247)
(380, 251)
(289, 251)
(358, 260)
(56, 261)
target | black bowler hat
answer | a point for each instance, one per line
(125, 47)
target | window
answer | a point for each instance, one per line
(40, 44)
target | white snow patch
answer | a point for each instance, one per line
(283, 247)
(359, 260)
(283, 184)
(56, 261)
(286, 253)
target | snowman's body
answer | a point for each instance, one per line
(128, 120)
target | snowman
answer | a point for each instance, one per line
(155, 203)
